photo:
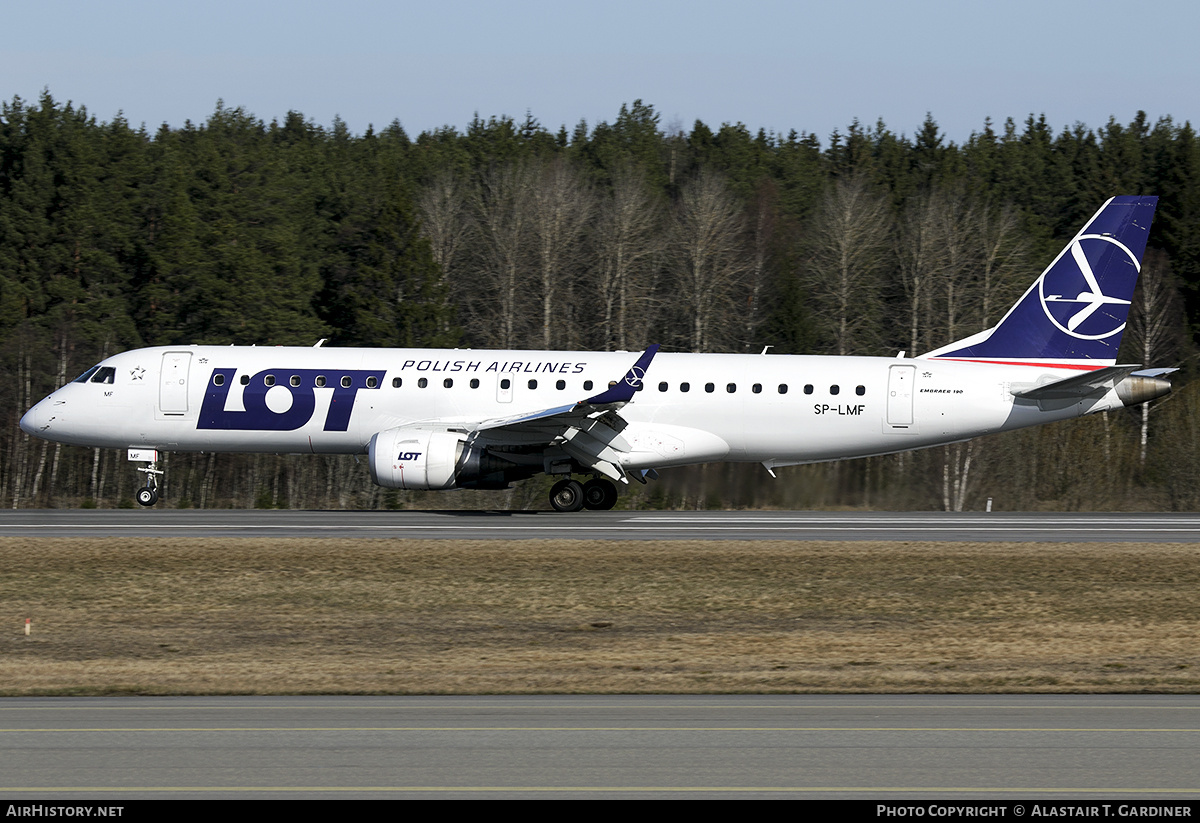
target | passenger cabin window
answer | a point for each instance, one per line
(808, 389)
(685, 387)
(396, 382)
(533, 384)
(448, 382)
(587, 385)
(346, 381)
(295, 381)
(834, 389)
(105, 374)
(245, 380)
(860, 390)
(756, 388)
(731, 387)
(320, 381)
(269, 380)
(506, 383)
(474, 382)
(710, 388)
(218, 380)
(560, 385)
(783, 388)
(87, 375)
(422, 383)
(372, 382)
(662, 386)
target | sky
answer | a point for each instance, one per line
(809, 66)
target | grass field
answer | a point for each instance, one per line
(215, 616)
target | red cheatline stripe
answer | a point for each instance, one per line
(1025, 363)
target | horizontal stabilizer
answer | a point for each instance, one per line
(1079, 385)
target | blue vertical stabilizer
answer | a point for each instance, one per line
(1075, 313)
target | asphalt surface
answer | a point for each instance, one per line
(613, 525)
(1084, 747)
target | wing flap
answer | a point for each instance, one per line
(589, 431)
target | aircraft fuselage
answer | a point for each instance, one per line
(692, 408)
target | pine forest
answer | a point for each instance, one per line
(604, 236)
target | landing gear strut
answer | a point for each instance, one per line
(148, 494)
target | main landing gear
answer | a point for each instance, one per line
(571, 495)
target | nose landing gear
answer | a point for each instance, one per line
(148, 494)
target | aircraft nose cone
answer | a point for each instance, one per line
(31, 423)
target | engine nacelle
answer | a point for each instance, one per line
(413, 459)
(405, 458)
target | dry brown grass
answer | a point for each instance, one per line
(211, 616)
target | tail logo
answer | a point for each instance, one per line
(635, 376)
(1071, 295)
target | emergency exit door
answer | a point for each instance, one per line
(900, 396)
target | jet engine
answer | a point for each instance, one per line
(405, 458)
(1137, 388)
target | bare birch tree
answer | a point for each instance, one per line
(1155, 326)
(499, 300)
(957, 230)
(921, 256)
(448, 224)
(761, 227)
(560, 205)
(709, 257)
(628, 243)
(1004, 269)
(848, 252)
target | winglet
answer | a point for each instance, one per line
(622, 391)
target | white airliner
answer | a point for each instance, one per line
(445, 419)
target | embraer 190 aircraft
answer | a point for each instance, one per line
(471, 419)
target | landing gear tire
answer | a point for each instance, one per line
(567, 496)
(147, 496)
(599, 494)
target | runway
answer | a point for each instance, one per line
(1084, 747)
(613, 525)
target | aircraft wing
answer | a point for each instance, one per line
(617, 394)
(1079, 385)
(589, 430)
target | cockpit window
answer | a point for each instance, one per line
(105, 374)
(83, 378)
